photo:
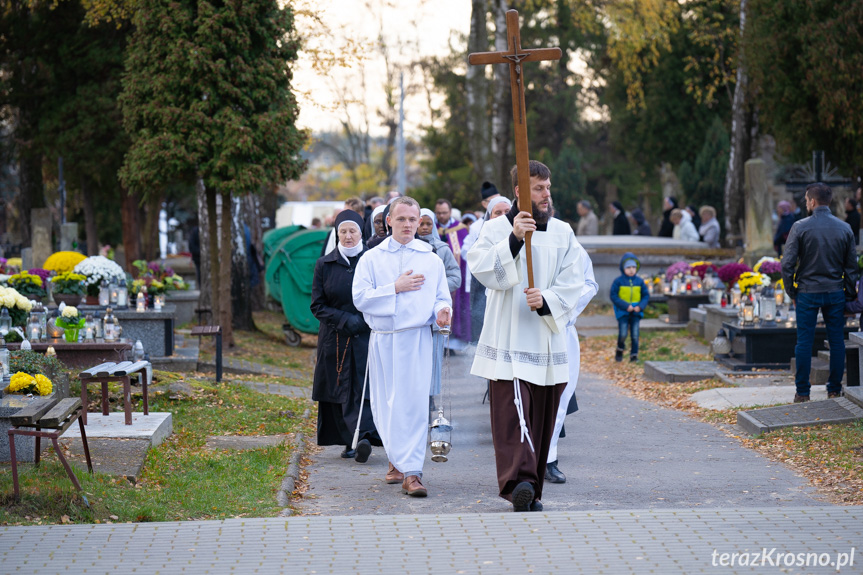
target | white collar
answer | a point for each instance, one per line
(414, 244)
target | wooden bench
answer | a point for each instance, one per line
(48, 419)
(123, 372)
(216, 331)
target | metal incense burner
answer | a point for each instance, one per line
(440, 430)
(440, 434)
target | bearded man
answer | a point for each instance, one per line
(523, 346)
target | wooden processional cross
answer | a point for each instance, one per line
(515, 56)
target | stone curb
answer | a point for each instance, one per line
(292, 476)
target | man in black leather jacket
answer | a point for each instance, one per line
(820, 257)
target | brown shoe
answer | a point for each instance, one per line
(394, 475)
(413, 487)
(800, 398)
(835, 394)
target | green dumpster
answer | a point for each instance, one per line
(290, 254)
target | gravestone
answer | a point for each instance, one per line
(120, 256)
(69, 237)
(27, 258)
(759, 209)
(41, 223)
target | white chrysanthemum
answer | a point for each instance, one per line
(70, 312)
(98, 268)
(23, 303)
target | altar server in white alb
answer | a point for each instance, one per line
(401, 288)
(573, 352)
(522, 348)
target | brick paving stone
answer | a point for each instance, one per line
(616, 541)
(839, 410)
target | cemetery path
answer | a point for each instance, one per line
(620, 453)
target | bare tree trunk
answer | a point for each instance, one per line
(476, 93)
(151, 227)
(131, 228)
(225, 244)
(213, 248)
(742, 138)
(501, 123)
(90, 229)
(206, 298)
(241, 285)
(253, 208)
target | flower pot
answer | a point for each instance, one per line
(70, 334)
(67, 298)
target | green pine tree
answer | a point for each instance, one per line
(207, 97)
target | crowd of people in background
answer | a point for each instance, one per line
(685, 223)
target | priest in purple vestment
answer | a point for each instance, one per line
(453, 232)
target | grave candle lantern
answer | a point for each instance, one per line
(104, 294)
(748, 312)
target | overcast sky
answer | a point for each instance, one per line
(428, 25)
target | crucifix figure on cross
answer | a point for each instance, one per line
(515, 56)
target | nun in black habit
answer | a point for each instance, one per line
(343, 344)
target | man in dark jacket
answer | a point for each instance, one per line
(621, 224)
(820, 257)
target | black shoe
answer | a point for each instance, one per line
(633, 358)
(522, 496)
(536, 505)
(618, 355)
(348, 453)
(800, 398)
(553, 474)
(364, 449)
(835, 394)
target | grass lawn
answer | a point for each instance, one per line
(830, 456)
(267, 346)
(181, 480)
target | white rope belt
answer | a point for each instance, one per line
(398, 330)
(519, 407)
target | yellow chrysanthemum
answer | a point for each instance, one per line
(21, 381)
(63, 261)
(43, 385)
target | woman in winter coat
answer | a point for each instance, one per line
(709, 230)
(666, 230)
(343, 345)
(683, 227)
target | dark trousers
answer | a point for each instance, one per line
(514, 460)
(628, 324)
(832, 306)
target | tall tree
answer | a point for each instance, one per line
(744, 133)
(207, 96)
(806, 63)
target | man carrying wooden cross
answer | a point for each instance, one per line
(534, 271)
(522, 348)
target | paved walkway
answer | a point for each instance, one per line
(592, 542)
(620, 453)
(649, 490)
